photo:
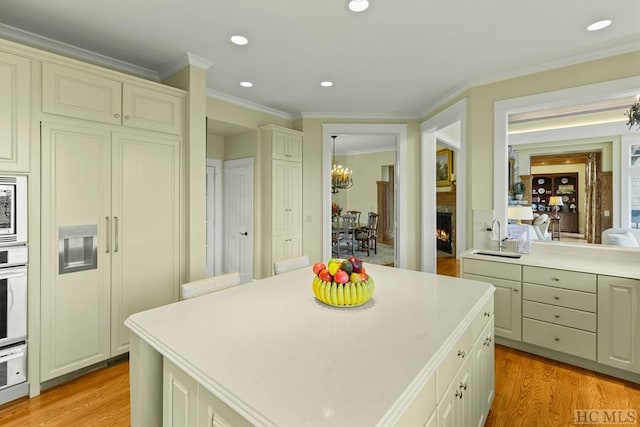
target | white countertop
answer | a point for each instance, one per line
(278, 356)
(596, 259)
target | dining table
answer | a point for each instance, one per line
(269, 353)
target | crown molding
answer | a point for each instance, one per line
(188, 59)
(346, 115)
(248, 104)
(602, 51)
(55, 46)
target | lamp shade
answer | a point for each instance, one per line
(555, 201)
(520, 212)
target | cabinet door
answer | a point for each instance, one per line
(295, 148)
(145, 203)
(618, 323)
(70, 92)
(280, 198)
(15, 97)
(508, 306)
(294, 197)
(179, 397)
(213, 412)
(279, 145)
(148, 109)
(280, 248)
(75, 191)
(483, 375)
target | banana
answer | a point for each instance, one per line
(340, 294)
(334, 293)
(347, 294)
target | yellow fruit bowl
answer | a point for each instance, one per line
(343, 295)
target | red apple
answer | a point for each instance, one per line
(318, 267)
(341, 276)
(325, 276)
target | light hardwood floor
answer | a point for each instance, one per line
(530, 391)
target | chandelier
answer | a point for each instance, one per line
(340, 176)
(634, 113)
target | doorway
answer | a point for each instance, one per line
(238, 218)
(397, 131)
(214, 217)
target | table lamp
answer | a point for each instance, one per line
(519, 213)
(556, 202)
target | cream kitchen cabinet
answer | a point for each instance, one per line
(125, 187)
(286, 145)
(93, 96)
(188, 404)
(282, 194)
(559, 310)
(15, 98)
(618, 323)
(508, 296)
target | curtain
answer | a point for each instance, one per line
(593, 226)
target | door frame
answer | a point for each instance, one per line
(250, 228)
(214, 235)
(400, 191)
(428, 132)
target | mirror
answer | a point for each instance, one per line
(547, 139)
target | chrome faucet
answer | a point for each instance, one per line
(500, 240)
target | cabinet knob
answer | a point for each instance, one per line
(557, 338)
(127, 117)
(556, 297)
(463, 386)
(461, 353)
(459, 394)
(557, 316)
(515, 290)
(116, 115)
(555, 279)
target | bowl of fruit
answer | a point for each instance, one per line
(342, 282)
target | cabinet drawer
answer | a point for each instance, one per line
(560, 315)
(499, 270)
(452, 362)
(482, 318)
(583, 282)
(561, 297)
(560, 338)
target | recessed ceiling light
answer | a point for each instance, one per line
(246, 84)
(358, 5)
(239, 40)
(326, 84)
(599, 25)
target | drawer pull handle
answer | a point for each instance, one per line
(459, 394)
(461, 353)
(557, 316)
(463, 386)
(557, 297)
(557, 338)
(555, 279)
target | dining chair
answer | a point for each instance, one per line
(357, 215)
(291, 264)
(345, 234)
(208, 285)
(366, 235)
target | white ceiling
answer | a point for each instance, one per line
(400, 58)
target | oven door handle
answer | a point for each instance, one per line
(12, 274)
(4, 359)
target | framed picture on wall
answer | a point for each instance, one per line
(444, 166)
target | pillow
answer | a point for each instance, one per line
(626, 240)
(541, 219)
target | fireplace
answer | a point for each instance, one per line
(444, 232)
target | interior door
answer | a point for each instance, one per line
(238, 218)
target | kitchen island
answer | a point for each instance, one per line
(268, 353)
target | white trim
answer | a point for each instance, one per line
(365, 151)
(428, 131)
(345, 115)
(564, 97)
(401, 229)
(248, 104)
(55, 46)
(185, 60)
(217, 216)
(601, 130)
(626, 173)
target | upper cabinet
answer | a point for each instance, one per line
(15, 96)
(81, 94)
(286, 145)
